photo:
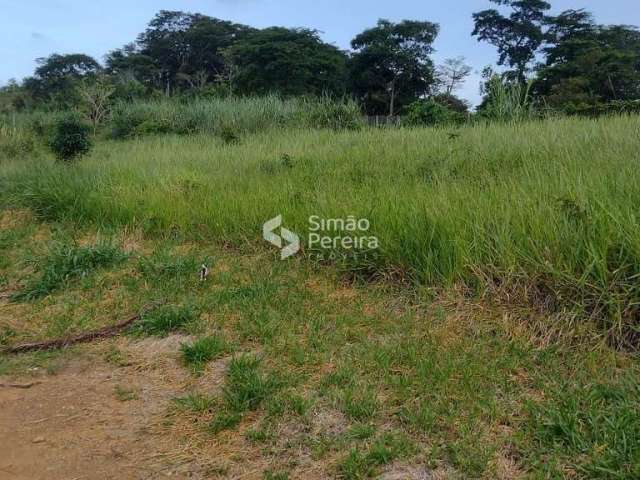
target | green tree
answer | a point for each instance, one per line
(517, 36)
(391, 66)
(57, 76)
(588, 63)
(178, 50)
(287, 61)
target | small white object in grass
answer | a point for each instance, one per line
(204, 272)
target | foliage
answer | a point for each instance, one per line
(391, 66)
(15, 142)
(286, 61)
(70, 138)
(178, 50)
(518, 36)
(431, 112)
(231, 118)
(56, 77)
(587, 64)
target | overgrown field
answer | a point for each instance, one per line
(547, 210)
(280, 370)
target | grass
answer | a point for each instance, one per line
(197, 354)
(67, 262)
(164, 320)
(356, 378)
(471, 209)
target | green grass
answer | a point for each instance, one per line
(359, 376)
(67, 262)
(204, 350)
(164, 320)
(554, 208)
(595, 430)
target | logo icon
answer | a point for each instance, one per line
(293, 241)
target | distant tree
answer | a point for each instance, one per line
(178, 50)
(391, 66)
(57, 76)
(452, 74)
(517, 36)
(588, 63)
(287, 61)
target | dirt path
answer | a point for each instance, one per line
(93, 419)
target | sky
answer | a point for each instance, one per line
(36, 28)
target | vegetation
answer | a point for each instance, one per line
(490, 332)
(70, 139)
(570, 237)
(353, 379)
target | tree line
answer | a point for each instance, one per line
(567, 61)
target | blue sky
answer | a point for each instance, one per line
(36, 28)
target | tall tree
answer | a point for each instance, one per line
(517, 36)
(391, 66)
(287, 61)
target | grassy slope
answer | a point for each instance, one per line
(553, 204)
(349, 379)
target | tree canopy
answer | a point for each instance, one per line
(391, 66)
(287, 61)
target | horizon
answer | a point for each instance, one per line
(70, 26)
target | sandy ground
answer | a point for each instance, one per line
(74, 425)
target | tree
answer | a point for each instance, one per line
(518, 36)
(391, 66)
(178, 50)
(96, 97)
(588, 63)
(287, 61)
(452, 73)
(57, 76)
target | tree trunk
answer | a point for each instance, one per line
(392, 103)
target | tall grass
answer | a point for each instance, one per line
(508, 102)
(228, 118)
(555, 206)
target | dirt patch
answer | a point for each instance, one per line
(94, 419)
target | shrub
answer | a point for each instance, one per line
(430, 112)
(70, 138)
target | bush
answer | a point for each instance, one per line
(70, 138)
(430, 112)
